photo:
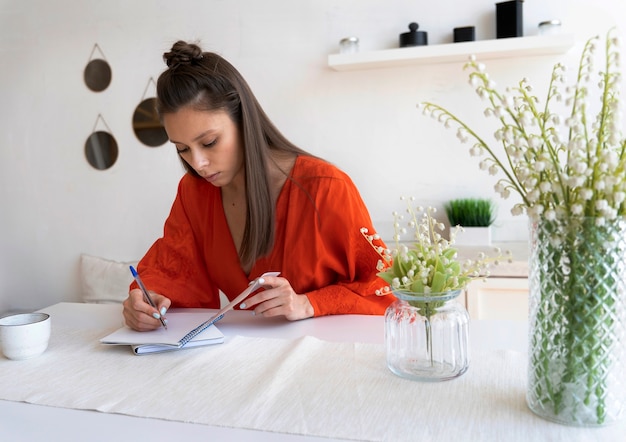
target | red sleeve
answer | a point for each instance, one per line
(335, 261)
(174, 265)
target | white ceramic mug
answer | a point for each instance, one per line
(24, 335)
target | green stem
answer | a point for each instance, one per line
(579, 278)
(429, 339)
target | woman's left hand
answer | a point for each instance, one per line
(279, 299)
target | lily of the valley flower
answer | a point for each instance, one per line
(562, 162)
(427, 262)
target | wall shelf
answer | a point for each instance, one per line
(454, 52)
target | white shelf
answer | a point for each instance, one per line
(454, 52)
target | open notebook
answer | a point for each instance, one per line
(184, 329)
(174, 338)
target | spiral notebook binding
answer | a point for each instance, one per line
(252, 286)
(199, 329)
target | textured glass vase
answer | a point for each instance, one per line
(426, 336)
(577, 347)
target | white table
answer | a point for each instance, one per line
(25, 422)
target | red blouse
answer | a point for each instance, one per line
(318, 245)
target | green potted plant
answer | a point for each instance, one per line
(475, 217)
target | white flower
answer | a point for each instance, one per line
(476, 151)
(576, 181)
(462, 135)
(560, 163)
(517, 210)
(533, 196)
(545, 186)
(586, 194)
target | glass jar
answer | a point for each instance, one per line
(549, 27)
(577, 321)
(349, 45)
(426, 336)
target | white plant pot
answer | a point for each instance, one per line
(474, 236)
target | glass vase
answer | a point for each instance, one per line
(426, 336)
(577, 322)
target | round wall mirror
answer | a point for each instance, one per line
(97, 75)
(147, 125)
(101, 150)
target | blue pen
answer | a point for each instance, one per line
(145, 292)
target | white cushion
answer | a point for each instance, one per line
(104, 281)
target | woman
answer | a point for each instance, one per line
(250, 202)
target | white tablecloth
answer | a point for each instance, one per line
(300, 386)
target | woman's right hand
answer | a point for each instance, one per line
(141, 316)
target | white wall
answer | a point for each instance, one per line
(54, 206)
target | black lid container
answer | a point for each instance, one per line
(510, 19)
(465, 33)
(413, 37)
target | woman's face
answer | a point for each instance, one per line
(208, 141)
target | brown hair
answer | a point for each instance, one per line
(208, 82)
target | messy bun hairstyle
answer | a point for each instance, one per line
(207, 82)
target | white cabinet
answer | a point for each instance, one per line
(498, 298)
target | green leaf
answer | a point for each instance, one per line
(439, 281)
(454, 269)
(471, 212)
(386, 276)
(417, 286)
(439, 267)
(398, 266)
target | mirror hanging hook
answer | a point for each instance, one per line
(96, 47)
(101, 118)
(145, 92)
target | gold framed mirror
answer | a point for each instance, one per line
(101, 150)
(97, 75)
(147, 124)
